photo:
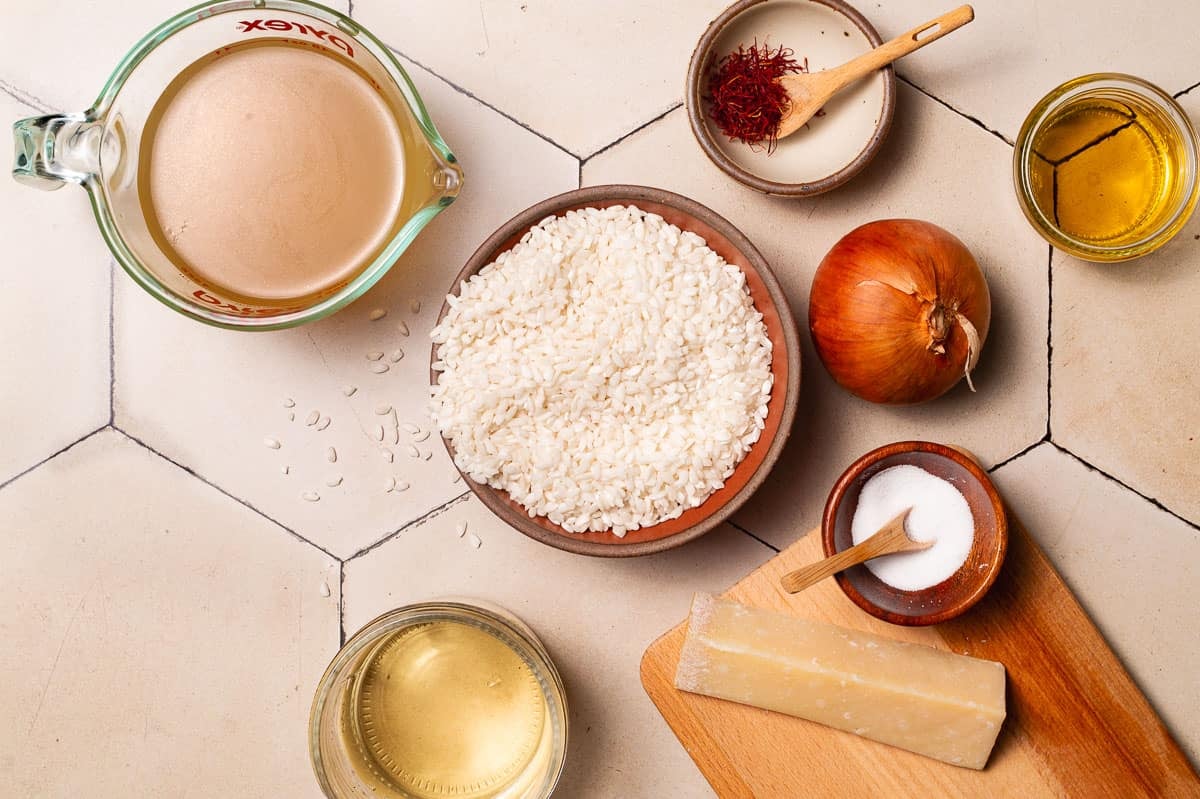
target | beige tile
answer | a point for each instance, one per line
(1126, 391)
(1015, 51)
(159, 638)
(61, 54)
(934, 166)
(1132, 566)
(596, 616)
(55, 276)
(208, 398)
(583, 74)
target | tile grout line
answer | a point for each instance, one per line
(341, 604)
(464, 91)
(1156, 503)
(1049, 336)
(25, 98)
(1020, 454)
(112, 344)
(417, 522)
(962, 114)
(52, 456)
(739, 528)
(658, 118)
(239, 500)
(1182, 92)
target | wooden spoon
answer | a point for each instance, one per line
(810, 91)
(887, 540)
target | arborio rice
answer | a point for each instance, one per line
(608, 372)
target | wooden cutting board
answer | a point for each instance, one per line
(1077, 726)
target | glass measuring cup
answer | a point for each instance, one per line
(99, 148)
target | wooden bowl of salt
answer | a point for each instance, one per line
(944, 486)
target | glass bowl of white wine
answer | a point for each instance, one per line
(438, 699)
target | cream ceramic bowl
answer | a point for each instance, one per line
(833, 147)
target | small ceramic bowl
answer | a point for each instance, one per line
(957, 593)
(732, 245)
(833, 147)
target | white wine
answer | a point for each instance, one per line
(446, 709)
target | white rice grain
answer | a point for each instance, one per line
(608, 372)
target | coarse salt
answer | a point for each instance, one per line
(939, 512)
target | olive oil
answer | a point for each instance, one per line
(446, 709)
(1107, 168)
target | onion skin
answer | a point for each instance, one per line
(893, 310)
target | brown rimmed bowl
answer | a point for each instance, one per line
(833, 148)
(957, 593)
(732, 245)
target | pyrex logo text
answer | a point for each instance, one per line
(281, 25)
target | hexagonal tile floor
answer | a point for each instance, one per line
(169, 584)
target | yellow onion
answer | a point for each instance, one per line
(899, 311)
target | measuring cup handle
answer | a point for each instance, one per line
(56, 149)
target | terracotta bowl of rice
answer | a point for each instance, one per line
(494, 445)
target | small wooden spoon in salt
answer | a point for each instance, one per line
(808, 92)
(887, 540)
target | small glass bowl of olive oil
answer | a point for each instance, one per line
(1106, 167)
(440, 699)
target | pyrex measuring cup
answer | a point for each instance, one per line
(99, 150)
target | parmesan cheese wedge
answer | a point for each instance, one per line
(929, 701)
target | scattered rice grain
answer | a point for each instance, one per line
(422, 436)
(415, 306)
(460, 529)
(272, 443)
(413, 452)
(349, 390)
(402, 327)
(310, 496)
(397, 356)
(377, 314)
(409, 427)
(476, 543)
(321, 425)
(324, 589)
(289, 403)
(379, 368)
(383, 410)
(334, 482)
(312, 418)
(331, 455)
(374, 356)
